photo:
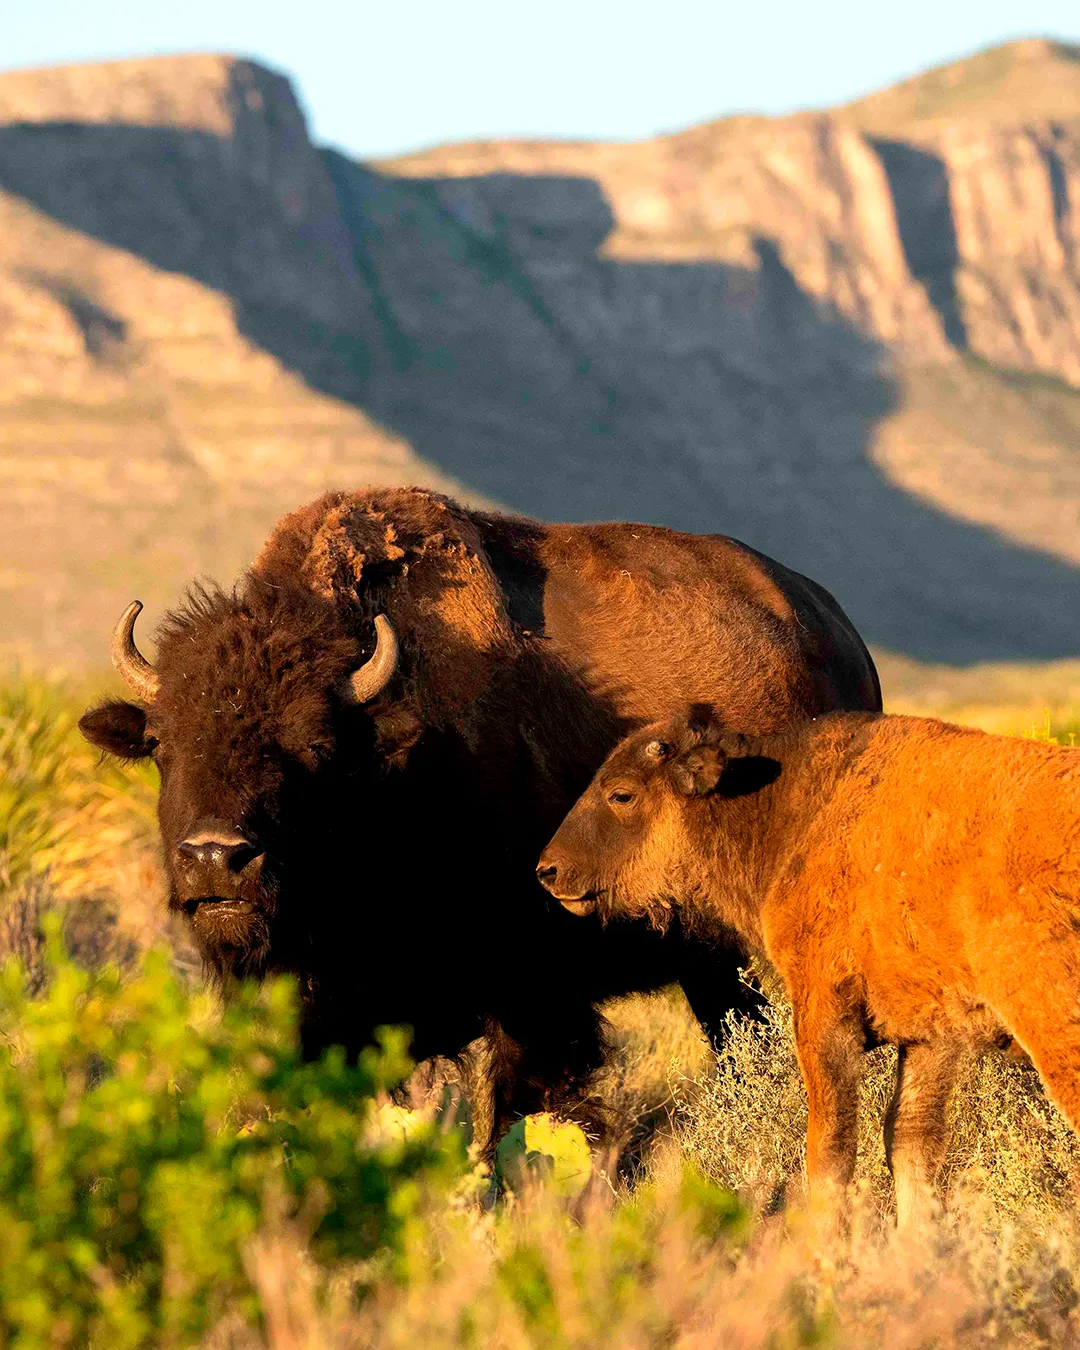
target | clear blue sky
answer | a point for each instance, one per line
(394, 75)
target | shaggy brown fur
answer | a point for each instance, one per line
(398, 839)
(912, 882)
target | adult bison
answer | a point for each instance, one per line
(365, 746)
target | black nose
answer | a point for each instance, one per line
(219, 847)
(546, 871)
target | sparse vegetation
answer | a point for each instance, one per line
(171, 1175)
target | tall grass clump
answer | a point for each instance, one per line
(77, 834)
(678, 1263)
(64, 808)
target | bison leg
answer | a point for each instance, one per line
(1037, 997)
(711, 981)
(915, 1124)
(829, 1043)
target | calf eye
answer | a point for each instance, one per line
(620, 797)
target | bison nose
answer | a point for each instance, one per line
(220, 847)
(546, 872)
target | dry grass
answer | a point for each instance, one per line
(1010, 698)
(646, 1273)
(644, 1262)
(742, 1123)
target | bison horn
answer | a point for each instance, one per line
(374, 675)
(130, 664)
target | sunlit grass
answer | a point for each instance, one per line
(78, 832)
(63, 807)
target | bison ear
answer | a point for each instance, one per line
(119, 729)
(698, 771)
(396, 732)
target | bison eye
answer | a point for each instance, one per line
(313, 754)
(621, 797)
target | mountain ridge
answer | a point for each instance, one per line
(854, 343)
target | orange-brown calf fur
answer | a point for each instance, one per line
(911, 881)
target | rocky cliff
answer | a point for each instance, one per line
(852, 338)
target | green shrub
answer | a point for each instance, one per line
(145, 1134)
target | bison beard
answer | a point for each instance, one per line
(377, 837)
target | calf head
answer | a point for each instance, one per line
(253, 718)
(640, 838)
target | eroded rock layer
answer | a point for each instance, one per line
(851, 338)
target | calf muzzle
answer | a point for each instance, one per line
(556, 879)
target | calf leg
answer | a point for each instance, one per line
(915, 1124)
(1037, 997)
(829, 1043)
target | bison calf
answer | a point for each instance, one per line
(912, 882)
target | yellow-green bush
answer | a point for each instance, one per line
(144, 1133)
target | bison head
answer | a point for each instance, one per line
(253, 715)
(633, 845)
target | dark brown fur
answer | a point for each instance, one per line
(911, 882)
(400, 837)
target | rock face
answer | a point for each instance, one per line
(851, 339)
(180, 326)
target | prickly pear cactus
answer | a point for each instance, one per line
(547, 1149)
(390, 1122)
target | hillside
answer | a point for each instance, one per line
(850, 338)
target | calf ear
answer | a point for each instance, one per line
(698, 771)
(119, 729)
(703, 719)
